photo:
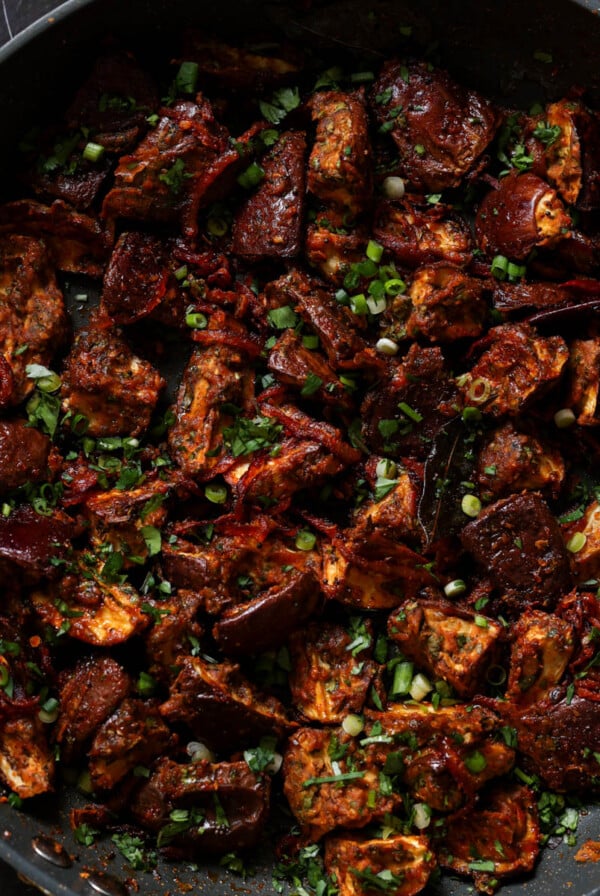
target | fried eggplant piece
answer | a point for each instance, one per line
(334, 324)
(92, 607)
(521, 297)
(542, 647)
(502, 831)
(221, 806)
(269, 619)
(34, 543)
(114, 102)
(418, 234)
(558, 737)
(400, 865)
(24, 455)
(446, 754)
(440, 128)
(89, 693)
(511, 461)
(76, 242)
(374, 575)
(332, 670)
(524, 213)
(319, 802)
(26, 760)
(423, 385)
(221, 707)
(105, 382)
(133, 735)
(584, 380)
(118, 517)
(339, 167)
(241, 68)
(450, 643)
(446, 304)
(516, 368)
(552, 141)
(62, 172)
(518, 542)
(174, 633)
(269, 223)
(33, 321)
(295, 365)
(394, 515)
(332, 247)
(161, 181)
(216, 375)
(298, 465)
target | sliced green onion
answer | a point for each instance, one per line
(217, 226)
(216, 494)
(386, 346)
(403, 676)
(471, 505)
(496, 675)
(49, 711)
(564, 418)
(395, 286)
(49, 383)
(455, 588)
(376, 306)
(181, 273)
(374, 251)
(515, 271)
(196, 320)
(358, 304)
(353, 724)
(479, 390)
(393, 187)
(476, 762)
(499, 267)
(420, 687)
(4, 675)
(199, 752)
(386, 469)
(310, 341)
(93, 152)
(576, 542)
(305, 540)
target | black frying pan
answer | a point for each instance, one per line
(495, 46)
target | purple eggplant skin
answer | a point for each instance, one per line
(268, 620)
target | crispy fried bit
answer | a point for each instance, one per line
(332, 670)
(440, 128)
(511, 461)
(497, 839)
(321, 803)
(221, 806)
(269, 224)
(400, 865)
(89, 694)
(456, 646)
(339, 168)
(519, 543)
(215, 379)
(518, 367)
(105, 383)
(446, 305)
(542, 647)
(331, 247)
(135, 734)
(221, 707)
(33, 323)
(417, 235)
